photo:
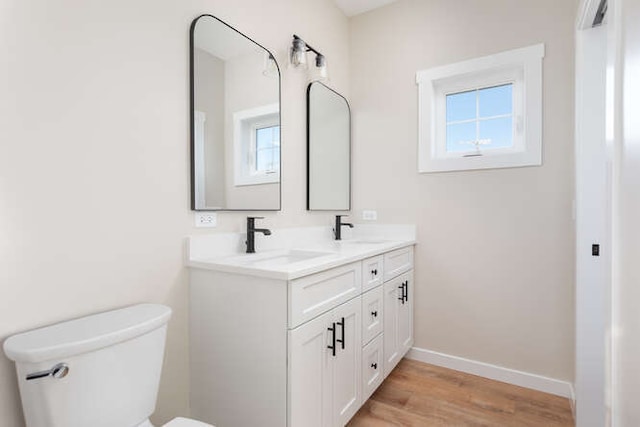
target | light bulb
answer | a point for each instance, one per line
(298, 57)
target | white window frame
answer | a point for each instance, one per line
(245, 125)
(520, 67)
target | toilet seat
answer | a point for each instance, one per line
(186, 422)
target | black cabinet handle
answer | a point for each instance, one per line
(374, 272)
(332, 347)
(341, 341)
(374, 365)
(406, 291)
(401, 287)
(374, 313)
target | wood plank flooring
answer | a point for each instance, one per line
(418, 394)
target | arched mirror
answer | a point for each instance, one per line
(328, 149)
(235, 120)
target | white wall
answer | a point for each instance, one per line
(494, 267)
(94, 160)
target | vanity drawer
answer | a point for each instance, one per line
(372, 272)
(397, 262)
(372, 367)
(312, 295)
(372, 314)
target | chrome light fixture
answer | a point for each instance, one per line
(298, 58)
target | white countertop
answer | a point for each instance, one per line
(294, 253)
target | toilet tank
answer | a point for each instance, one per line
(114, 362)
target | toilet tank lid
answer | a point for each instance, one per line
(86, 333)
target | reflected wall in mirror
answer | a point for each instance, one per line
(328, 149)
(235, 120)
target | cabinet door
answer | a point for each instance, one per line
(397, 262)
(372, 314)
(372, 272)
(405, 316)
(347, 369)
(310, 365)
(392, 295)
(372, 367)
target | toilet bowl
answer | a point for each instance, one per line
(101, 370)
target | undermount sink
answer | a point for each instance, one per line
(276, 258)
(363, 242)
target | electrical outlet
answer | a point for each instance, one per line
(206, 219)
(370, 215)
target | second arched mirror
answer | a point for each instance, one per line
(328, 149)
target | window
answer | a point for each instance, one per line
(483, 113)
(256, 138)
(267, 149)
(479, 119)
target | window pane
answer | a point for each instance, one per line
(461, 106)
(496, 133)
(496, 101)
(264, 160)
(265, 137)
(461, 137)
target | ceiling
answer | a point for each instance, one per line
(355, 7)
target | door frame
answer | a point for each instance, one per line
(593, 207)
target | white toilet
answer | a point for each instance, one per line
(100, 371)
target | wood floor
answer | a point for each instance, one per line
(418, 394)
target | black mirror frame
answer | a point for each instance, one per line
(308, 144)
(192, 118)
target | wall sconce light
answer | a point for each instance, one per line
(298, 58)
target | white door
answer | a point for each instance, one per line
(392, 293)
(310, 364)
(593, 243)
(405, 315)
(347, 371)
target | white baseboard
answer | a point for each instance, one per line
(498, 373)
(572, 401)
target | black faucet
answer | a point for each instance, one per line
(339, 224)
(251, 233)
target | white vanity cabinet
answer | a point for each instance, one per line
(324, 368)
(301, 351)
(398, 319)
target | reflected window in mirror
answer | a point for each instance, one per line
(235, 129)
(257, 146)
(328, 149)
(267, 150)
